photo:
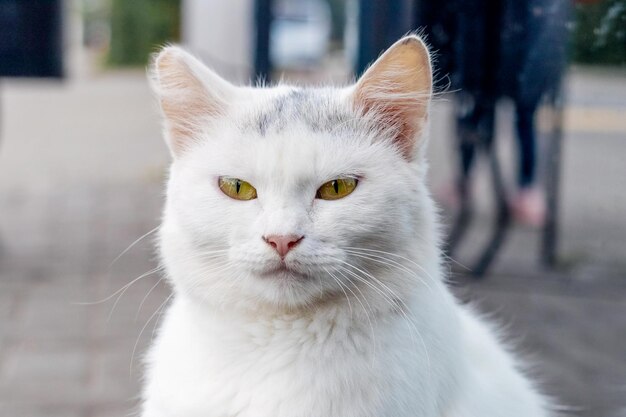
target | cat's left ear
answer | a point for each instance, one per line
(192, 97)
(396, 91)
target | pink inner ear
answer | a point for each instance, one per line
(407, 120)
(185, 101)
(187, 105)
(396, 91)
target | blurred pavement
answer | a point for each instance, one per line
(81, 167)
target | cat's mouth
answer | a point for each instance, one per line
(282, 271)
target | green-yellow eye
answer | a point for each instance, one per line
(337, 188)
(236, 188)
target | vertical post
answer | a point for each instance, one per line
(371, 28)
(381, 23)
(400, 19)
(553, 178)
(263, 21)
(31, 43)
(1, 108)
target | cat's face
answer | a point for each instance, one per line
(290, 196)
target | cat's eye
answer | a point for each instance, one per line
(337, 188)
(236, 188)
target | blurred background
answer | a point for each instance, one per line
(527, 151)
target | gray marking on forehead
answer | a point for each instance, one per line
(318, 109)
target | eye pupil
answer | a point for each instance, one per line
(337, 188)
(236, 188)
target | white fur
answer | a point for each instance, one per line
(368, 334)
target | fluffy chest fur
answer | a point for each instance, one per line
(331, 363)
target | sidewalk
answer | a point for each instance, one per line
(81, 166)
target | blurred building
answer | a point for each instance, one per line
(221, 33)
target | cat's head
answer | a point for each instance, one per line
(290, 196)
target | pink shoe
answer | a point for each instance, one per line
(529, 207)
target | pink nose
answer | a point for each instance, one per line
(283, 244)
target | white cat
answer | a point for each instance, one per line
(302, 247)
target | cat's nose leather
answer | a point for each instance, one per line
(283, 244)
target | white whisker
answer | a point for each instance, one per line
(145, 274)
(341, 286)
(146, 297)
(367, 314)
(376, 251)
(139, 239)
(389, 262)
(392, 301)
(132, 356)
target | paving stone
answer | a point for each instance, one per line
(115, 379)
(48, 379)
(39, 411)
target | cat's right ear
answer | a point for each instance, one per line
(191, 96)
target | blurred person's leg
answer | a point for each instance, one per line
(543, 48)
(475, 130)
(476, 55)
(527, 146)
(528, 203)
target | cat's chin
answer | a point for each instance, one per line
(285, 287)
